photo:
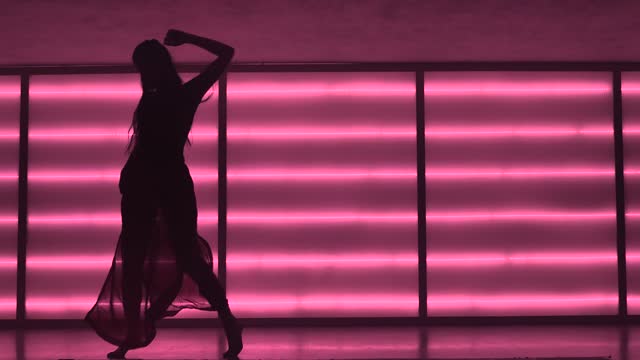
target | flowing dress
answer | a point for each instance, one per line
(159, 237)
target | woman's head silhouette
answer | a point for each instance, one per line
(153, 61)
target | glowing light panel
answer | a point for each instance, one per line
(551, 129)
(9, 149)
(78, 133)
(294, 139)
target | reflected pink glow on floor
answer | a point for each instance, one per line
(384, 342)
(350, 261)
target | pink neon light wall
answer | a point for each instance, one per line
(9, 149)
(77, 139)
(322, 192)
(630, 123)
(520, 194)
(322, 196)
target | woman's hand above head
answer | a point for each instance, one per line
(176, 37)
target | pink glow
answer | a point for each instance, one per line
(633, 299)
(9, 176)
(8, 219)
(359, 302)
(320, 89)
(456, 260)
(540, 132)
(275, 218)
(9, 134)
(521, 215)
(84, 262)
(519, 88)
(8, 263)
(249, 303)
(350, 261)
(314, 133)
(112, 176)
(10, 92)
(330, 174)
(7, 304)
(90, 90)
(466, 173)
(103, 134)
(515, 302)
(322, 174)
(102, 219)
(630, 88)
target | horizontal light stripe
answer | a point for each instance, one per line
(316, 133)
(437, 302)
(369, 302)
(330, 174)
(283, 302)
(87, 90)
(332, 217)
(275, 217)
(275, 261)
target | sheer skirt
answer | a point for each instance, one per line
(161, 264)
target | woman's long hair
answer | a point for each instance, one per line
(158, 74)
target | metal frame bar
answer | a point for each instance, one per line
(418, 68)
(222, 181)
(70, 69)
(421, 195)
(620, 197)
(22, 199)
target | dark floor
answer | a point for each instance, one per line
(437, 342)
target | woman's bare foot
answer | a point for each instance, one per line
(118, 353)
(233, 330)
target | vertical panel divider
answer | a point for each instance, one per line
(620, 197)
(222, 180)
(22, 201)
(422, 202)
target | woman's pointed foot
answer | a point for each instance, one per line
(233, 330)
(118, 353)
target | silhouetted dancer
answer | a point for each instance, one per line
(159, 244)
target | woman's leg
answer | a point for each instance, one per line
(182, 221)
(137, 222)
(213, 291)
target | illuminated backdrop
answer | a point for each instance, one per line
(322, 191)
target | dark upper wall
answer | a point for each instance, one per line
(106, 31)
